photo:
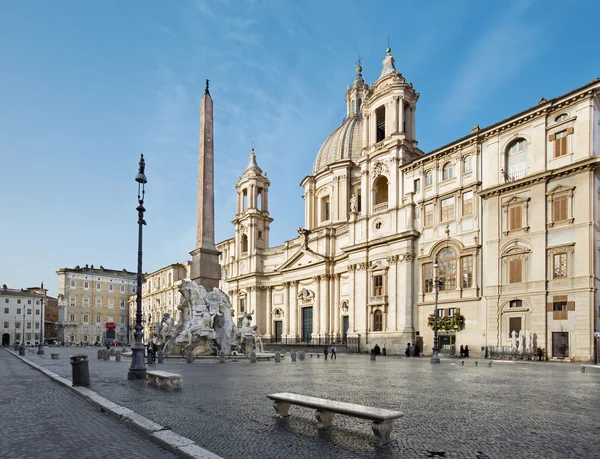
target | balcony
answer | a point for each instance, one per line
(382, 207)
(514, 175)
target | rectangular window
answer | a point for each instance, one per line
(242, 304)
(29, 325)
(86, 318)
(6, 310)
(378, 286)
(428, 215)
(515, 304)
(98, 318)
(467, 207)
(73, 284)
(122, 319)
(428, 178)
(37, 325)
(111, 288)
(560, 207)
(451, 312)
(98, 301)
(18, 310)
(17, 324)
(18, 301)
(5, 324)
(86, 285)
(111, 302)
(72, 317)
(468, 164)
(514, 323)
(428, 277)
(28, 301)
(133, 289)
(559, 265)
(559, 305)
(515, 271)
(560, 144)
(467, 271)
(122, 289)
(447, 210)
(98, 286)
(515, 218)
(110, 318)
(29, 311)
(86, 301)
(122, 304)
(37, 312)
(72, 300)
(417, 185)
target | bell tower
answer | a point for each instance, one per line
(252, 221)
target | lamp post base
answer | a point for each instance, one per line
(41, 349)
(435, 357)
(137, 370)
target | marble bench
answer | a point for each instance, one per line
(164, 379)
(382, 418)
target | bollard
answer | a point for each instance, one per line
(373, 356)
(100, 354)
(277, 357)
(301, 355)
(582, 369)
(112, 352)
(80, 370)
(22, 350)
(490, 363)
(293, 355)
(253, 357)
(160, 357)
(190, 357)
(118, 356)
(105, 355)
(475, 362)
(222, 356)
(16, 347)
(462, 362)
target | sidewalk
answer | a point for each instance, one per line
(41, 419)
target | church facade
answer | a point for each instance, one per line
(504, 222)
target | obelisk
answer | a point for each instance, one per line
(205, 257)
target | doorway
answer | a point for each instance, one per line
(447, 344)
(345, 326)
(560, 345)
(5, 339)
(278, 330)
(307, 324)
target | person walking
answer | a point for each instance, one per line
(333, 353)
(325, 352)
(462, 351)
(467, 351)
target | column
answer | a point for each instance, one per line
(392, 283)
(365, 191)
(352, 299)
(366, 131)
(294, 309)
(286, 309)
(413, 123)
(401, 115)
(405, 303)
(317, 307)
(336, 305)
(269, 312)
(324, 326)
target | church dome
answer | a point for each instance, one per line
(344, 143)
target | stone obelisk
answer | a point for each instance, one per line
(205, 257)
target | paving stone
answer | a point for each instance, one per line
(534, 410)
(43, 419)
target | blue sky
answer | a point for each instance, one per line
(85, 87)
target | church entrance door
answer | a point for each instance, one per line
(5, 339)
(345, 326)
(278, 329)
(307, 324)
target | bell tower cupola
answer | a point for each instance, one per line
(252, 219)
(356, 92)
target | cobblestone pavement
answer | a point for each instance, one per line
(534, 410)
(41, 419)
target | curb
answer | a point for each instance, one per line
(181, 446)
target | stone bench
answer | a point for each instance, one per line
(318, 354)
(164, 379)
(54, 356)
(590, 367)
(382, 418)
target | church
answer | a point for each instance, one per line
(499, 228)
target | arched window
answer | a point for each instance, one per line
(353, 106)
(447, 171)
(359, 104)
(244, 243)
(245, 200)
(447, 269)
(428, 178)
(259, 198)
(378, 320)
(380, 189)
(380, 123)
(468, 166)
(561, 117)
(516, 158)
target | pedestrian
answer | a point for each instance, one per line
(462, 351)
(325, 352)
(466, 352)
(333, 353)
(407, 350)
(417, 350)
(377, 349)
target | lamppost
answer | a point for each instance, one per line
(41, 346)
(137, 370)
(435, 357)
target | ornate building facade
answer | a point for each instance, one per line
(510, 213)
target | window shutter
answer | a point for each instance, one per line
(515, 218)
(570, 305)
(552, 137)
(549, 307)
(564, 207)
(559, 298)
(570, 131)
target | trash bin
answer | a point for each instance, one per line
(81, 372)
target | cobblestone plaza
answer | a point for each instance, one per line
(533, 410)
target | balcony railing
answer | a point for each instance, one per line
(380, 207)
(513, 176)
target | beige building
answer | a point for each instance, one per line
(509, 211)
(92, 304)
(20, 316)
(160, 295)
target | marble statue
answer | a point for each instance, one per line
(529, 341)
(521, 341)
(513, 340)
(167, 327)
(353, 207)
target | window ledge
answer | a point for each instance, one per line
(569, 221)
(525, 229)
(447, 181)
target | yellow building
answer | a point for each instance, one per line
(92, 304)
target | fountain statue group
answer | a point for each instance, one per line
(522, 342)
(205, 324)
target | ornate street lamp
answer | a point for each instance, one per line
(41, 346)
(137, 370)
(435, 357)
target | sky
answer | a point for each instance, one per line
(85, 87)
